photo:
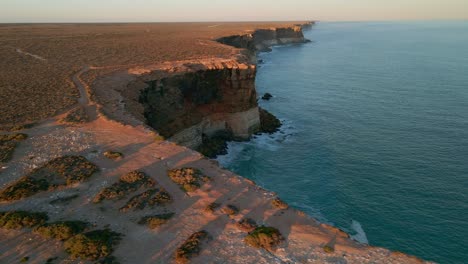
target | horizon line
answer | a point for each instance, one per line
(233, 21)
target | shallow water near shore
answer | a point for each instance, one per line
(375, 134)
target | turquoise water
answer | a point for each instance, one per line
(375, 139)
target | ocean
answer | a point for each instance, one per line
(375, 133)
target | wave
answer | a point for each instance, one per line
(269, 142)
(360, 235)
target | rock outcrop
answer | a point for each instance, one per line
(203, 101)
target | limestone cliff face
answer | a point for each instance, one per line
(264, 39)
(203, 101)
(205, 98)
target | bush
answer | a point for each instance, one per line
(188, 179)
(230, 210)
(138, 201)
(160, 198)
(92, 245)
(71, 169)
(212, 207)
(128, 183)
(113, 155)
(191, 247)
(22, 188)
(61, 230)
(155, 221)
(21, 219)
(8, 144)
(264, 237)
(328, 249)
(150, 197)
(58, 172)
(278, 203)
(246, 224)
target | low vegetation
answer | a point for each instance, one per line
(230, 210)
(264, 237)
(246, 224)
(155, 221)
(21, 219)
(188, 179)
(212, 207)
(62, 230)
(191, 247)
(93, 245)
(63, 171)
(328, 249)
(150, 197)
(76, 116)
(280, 204)
(128, 183)
(113, 155)
(8, 143)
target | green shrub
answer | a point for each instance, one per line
(61, 230)
(63, 171)
(21, 219)
(264, 237)
(155, 221)
(246, 224)
(188, 179)
(328, 249)
(150, 197)
(162, 197)
(92, 245)
(230, 210)
(114, 155)
(128, 183)
(22, 188)
(24, 259)
(191, 247)
(212, 207)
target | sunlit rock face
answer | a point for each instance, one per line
(186, 106)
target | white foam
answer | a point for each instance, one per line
(269, 142)
(360, 235)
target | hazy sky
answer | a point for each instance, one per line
(224, 10)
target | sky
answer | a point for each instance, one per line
(16, 11)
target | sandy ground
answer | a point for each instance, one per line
(305, 237)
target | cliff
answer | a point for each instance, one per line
(205, 99)
(210, 98)
(264, 39)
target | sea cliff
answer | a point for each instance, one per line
(211, 98)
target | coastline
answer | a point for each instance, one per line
(305, 236)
